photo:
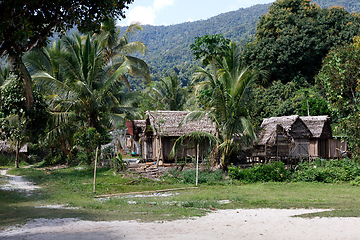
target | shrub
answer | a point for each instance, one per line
(6, 160)
(273, 172)
(327, 171)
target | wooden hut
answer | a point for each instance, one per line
(322, 143)
(158, 133)
(295, 137)
(282, 137)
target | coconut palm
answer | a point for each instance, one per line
(223, 100)
(119, 48)
(82, 85)
(169, 92)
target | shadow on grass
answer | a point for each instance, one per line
(19, 206)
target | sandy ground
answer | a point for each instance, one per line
(222, 224)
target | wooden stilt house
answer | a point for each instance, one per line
(282, 138)
(295, 137)
(322, 143)
(158, 133)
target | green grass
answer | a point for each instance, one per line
(73, 187)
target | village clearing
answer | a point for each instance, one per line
(213, 223)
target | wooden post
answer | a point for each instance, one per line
(197, 163)
(17, 154)
(96, 155)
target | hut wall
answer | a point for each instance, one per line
(314, 148)
(300, 149)
(147, 151)
(324, 148)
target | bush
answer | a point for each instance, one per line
(327, 171)
(6, 160)
(274, 172)
(189, 176)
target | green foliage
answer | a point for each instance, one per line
(320, 170)
(26, 24)
(339, 77)
(87, 139)
(327, 171)
(84, 80)
(284, 100)
(295, 35)
(317, 106)
(205, 177)
(274, 172)
(209, 46)
(226, 88)
(6, 160)
(166, 94)
(119, 164)
(17, 120)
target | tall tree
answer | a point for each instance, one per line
(294, 37)
(339, 77)
(20, 124)
(209, 47)
(119, 48)
(80, 82)
(225, 98)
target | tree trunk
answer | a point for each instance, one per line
(17, 154)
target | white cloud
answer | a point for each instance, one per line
(160, 4)
(147, 15)
(144, 15)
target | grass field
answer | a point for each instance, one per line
(73, 188)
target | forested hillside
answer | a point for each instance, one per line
(169, 46)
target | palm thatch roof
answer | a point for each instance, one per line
(319, 126)
(167, 123)
(287, 125)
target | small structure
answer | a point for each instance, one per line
(295, 137)
(156, 135)
(322, 143)
(282, 137)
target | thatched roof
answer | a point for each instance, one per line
(166, 123)
(270, 127)
(318, 125)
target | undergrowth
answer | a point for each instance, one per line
(327, 171)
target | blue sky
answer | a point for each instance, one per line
(168, 12)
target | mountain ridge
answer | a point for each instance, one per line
(169, 46)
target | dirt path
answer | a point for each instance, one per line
(224, 224)
(17, 182)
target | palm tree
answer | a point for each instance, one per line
(169, 92)
(119, 48)
(82, 85)
(223, 99)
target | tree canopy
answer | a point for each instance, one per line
(339, 77)
(294, 37)
(26, 24)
